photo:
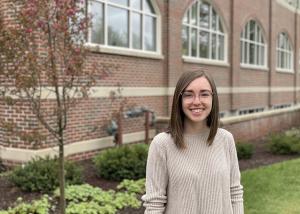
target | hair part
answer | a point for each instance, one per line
(176, 124)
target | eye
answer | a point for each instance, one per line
(205, 94)
(187, 95)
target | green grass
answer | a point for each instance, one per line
(273, 189)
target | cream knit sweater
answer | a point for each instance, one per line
(200, 179)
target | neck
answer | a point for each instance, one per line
(195, 128)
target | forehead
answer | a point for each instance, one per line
(201, 83)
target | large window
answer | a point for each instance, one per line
(124, 23)
(284, 53)
(202, 33)
(253, 47)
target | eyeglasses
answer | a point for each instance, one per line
(189, 96)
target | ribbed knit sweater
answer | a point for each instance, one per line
(200, 179)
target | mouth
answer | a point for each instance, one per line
(197, 110)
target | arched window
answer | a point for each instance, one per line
(123, 23)
(202, 33)
(253, 47)
(284, 53)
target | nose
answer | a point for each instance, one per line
(197, 99)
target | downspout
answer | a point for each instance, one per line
(166, 40)
(231, 66)
(270, 54)
(296, 60)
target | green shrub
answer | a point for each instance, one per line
(85, 199)
(244, 150)
(2, 167)
(41, 174)
(285, 143)
(40, 206)
(125, 162)
(133, 186)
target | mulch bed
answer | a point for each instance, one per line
(9, 193)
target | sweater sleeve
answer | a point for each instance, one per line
(236, 189)
(155, 198)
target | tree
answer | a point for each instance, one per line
(42, 56)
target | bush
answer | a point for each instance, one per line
(40, 206)
(2, 167)
(82, 199)
(285, 143)
(41, 174)
(125, 162)
(244, 150)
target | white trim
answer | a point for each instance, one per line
(286, 71)
(107, 48)
(254, 67)
(104, 92)
(196, 26)
(25, 155)
(190, 59)
(123, 51)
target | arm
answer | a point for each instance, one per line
(236, 189)
(156, 180)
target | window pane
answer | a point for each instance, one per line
(204, 15)
(242, 52)
(281, 60)
(204, 44)
(247, 31)
(251, 54)
(185, 40)
(97, 34)
(214, 46)
(278, 59)
(194, 42)
(263, 51)
(221, 47)
(150, 33)
(117, 26)
(194, 12)
(246, 52)
(121, 2)
(186, 17)
(252, 30)
(214, 20)
(136, 4)
(281, 41)
(136, 30)
(220, 26)
(148, 7)
(258, 56)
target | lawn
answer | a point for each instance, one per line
(273, 189)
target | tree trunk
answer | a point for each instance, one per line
(62, 200)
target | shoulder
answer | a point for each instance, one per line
(223, 133)
(162, 140)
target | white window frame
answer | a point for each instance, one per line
(245, 41)
(190, 26)
(287, 51)
(129, 51)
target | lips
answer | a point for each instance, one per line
(197, 110)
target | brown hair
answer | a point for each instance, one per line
(177, 115)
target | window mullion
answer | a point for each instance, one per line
(130, 45)
(210, 33)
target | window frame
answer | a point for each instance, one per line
(192, 27)
(246, 42)
(130, 51)
(287, 53)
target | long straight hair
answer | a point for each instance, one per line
(176, 124)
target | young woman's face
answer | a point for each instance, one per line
(197, 101)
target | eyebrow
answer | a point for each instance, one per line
(204, 90)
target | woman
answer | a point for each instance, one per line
(193, 168)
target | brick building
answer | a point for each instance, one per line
(250, 47)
